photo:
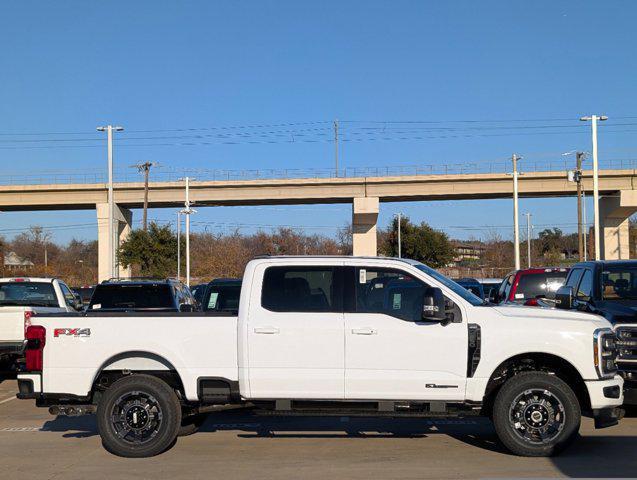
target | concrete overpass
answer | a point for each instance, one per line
(364, 193)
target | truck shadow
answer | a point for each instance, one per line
(604, 456)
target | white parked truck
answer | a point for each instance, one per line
(330, 335)
(22, 298)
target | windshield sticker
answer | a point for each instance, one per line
(212, 303)
(362, 276)
(397, 301)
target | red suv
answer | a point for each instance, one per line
(527, 286)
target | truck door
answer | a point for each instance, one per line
(295, 333)
(390, 353)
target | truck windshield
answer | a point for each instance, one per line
(451, 285)
(134, 297)
(619, 283)
(27, 294)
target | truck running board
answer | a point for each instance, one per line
(378, 408)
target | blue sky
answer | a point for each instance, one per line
(160, 68)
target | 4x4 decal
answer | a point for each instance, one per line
(72, 332)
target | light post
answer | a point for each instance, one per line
(186, 211)
(112, 242)
(594, 119)
(516, 220)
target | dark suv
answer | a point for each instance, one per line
(609, 288)
(142, 295)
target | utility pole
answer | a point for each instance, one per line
(593, 119)
(145, 167)
(112, 233)
(336, 146)
(528, 239)
(516, 226)
(585, 225)
(400, 250)
(578, 179)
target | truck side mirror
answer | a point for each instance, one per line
(186, 307)
(564, 298)
(434, 305)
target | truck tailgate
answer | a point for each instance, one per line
(12, 324)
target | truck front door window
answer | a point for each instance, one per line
(390, 292)
(585, 289)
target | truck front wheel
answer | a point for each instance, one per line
(138, 416)
(536, 414)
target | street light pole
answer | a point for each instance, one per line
(179, 245)
(528, 239)
(112, 239)
(516, 226)
(594, 119)
(187, 211)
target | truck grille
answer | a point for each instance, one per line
(627, 351)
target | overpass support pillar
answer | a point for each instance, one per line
(614, 212)
(364, 217)
(122, 224)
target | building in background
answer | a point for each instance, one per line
(12, 262)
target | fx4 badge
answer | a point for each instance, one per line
(72, 332)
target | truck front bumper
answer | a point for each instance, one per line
(606, 397)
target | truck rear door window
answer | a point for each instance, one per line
(299, 289)
(28, 294)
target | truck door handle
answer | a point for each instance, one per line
(364, 331)
(266, 330)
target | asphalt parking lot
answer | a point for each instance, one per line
(239, 444)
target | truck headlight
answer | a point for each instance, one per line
(605, 352)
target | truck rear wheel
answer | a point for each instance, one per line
(536, 414)
(138, 416)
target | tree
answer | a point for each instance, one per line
(419, 242)
(152, 253)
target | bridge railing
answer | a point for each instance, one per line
(174, 174)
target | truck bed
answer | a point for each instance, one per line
(198, 344)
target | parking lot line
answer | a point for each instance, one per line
(7, 400)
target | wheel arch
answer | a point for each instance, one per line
(136, 362)
(536, 361)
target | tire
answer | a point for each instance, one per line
(138, 416)
(191, 424)
(536, 414)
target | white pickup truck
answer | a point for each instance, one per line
(330, 335)
(22, 298)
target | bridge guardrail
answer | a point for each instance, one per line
(172, 174)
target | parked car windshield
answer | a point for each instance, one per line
(534, 285)
(619, 283)
(450, 284)
(122, 296)
(27, 294)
